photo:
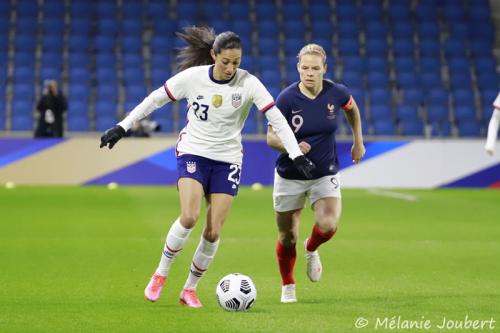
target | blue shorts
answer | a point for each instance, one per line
(214, 176)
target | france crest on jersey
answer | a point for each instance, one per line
(315, 122)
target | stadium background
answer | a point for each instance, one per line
(416, 67)
(77, 258)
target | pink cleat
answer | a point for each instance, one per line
(154, 287)
(189, 298)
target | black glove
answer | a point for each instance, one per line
(304, 165)
(111, 136)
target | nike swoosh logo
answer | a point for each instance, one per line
(296, 111)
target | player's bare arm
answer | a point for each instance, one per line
(354, 118)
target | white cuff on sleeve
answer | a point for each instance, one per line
(155, 100)
(284, 132)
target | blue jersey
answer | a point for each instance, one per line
(315, 122)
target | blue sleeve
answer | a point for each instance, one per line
(344, 94)
(282, 103)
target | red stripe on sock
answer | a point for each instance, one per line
(171, 250)
(318, 237)
(286, 261)
(197, 268)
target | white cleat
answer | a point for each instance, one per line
(314, 268)
(288, 294)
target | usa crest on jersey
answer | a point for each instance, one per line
(236, 100)
(191, 167)
(217, 100)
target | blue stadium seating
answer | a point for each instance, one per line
(376, 29)
(352, 79)
(377, 47)
(265, 11)
(464, 113)
(399, 11)
(79, 92)
(429, 64)
(268, 29)
(349, 47)
(428, 30)
(293, 11)
(268, 46)
(437, 113)
(22, 122)
(469, 128)
(135, 93)
(422, 52)
(322, 29)
(413, 96)
(378, 79)
(384, 127)
(321, 11)
(407, 80)
(23, 108)
(407, 113)
(411, 127)
(431, 80)
(380, 96)
(54, 26)
(348, 30)
(430, 48)
(78, 123)
(51, 73)
(463, 97)
(440, 129)
(380, 111)
(79, 75)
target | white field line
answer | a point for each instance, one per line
(391, 194)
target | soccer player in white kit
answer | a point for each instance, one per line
(311, 106)
(209, 149)
(491, 137)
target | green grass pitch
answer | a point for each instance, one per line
(76, 259)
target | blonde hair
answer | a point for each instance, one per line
(314, 49)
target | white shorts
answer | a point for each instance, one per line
(290, 194)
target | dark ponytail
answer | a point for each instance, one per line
(200, 41)
(197, 52)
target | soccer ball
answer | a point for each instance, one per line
(236, 292)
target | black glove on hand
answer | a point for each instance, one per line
(111, 136)
(304, 165)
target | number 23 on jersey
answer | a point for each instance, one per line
(200, 111)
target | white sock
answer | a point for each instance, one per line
(201, 260)
(176, 237)
(492, 131)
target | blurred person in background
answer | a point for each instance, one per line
(491, 138)
(311, 107)
(51, 107)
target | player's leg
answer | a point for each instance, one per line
(327, 205)
(218, 206)
(491, 136)
(288, 202)
(223, 186)
(288, 230)
(191, 193)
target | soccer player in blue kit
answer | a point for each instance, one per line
(311, 107)
(209, 149)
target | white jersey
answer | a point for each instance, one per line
(217, 111)
(496, 103)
